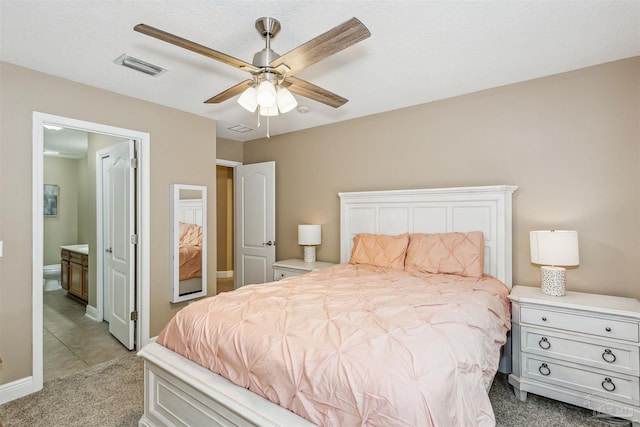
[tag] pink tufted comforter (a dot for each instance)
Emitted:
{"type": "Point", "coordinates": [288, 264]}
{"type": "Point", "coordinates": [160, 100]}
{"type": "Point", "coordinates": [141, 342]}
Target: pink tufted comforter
{"type": "Point", "coordinates": [356, 345]}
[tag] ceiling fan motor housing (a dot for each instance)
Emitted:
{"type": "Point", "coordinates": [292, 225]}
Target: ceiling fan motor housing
{"type": "Point", "coordinates": [268, 29]}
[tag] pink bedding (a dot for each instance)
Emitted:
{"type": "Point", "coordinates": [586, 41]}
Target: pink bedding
{"type": "Point", "coordinates": [356, 344]}
{"type": "Point", "coordinates": [190, 262]}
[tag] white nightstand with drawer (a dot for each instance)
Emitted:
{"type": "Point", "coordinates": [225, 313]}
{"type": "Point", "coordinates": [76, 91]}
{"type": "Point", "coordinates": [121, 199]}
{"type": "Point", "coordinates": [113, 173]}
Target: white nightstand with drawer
{"type": "Point", "coordinates": [296, 267]}
{"type": "Point", "coordinates": [580, 348]}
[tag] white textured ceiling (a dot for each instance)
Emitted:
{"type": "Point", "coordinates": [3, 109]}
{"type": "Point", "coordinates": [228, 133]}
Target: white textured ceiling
{"type": "Point", "coordinates": [419, 51]}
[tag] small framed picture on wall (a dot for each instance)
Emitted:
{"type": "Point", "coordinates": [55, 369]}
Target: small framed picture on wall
{"type": "Point", "coordinates": [51, 200]}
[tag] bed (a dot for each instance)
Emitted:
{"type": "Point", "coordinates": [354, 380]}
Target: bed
{"type": "Point", "coordinates": [179, 391]}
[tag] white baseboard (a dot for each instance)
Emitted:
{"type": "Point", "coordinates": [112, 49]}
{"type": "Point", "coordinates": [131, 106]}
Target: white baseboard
{"type": "Point", "coordinates": [224, 274]}
{"type": "Point", "coordinates": [17, 389]}
{"type": "Point", "coordinates": [92, 313]}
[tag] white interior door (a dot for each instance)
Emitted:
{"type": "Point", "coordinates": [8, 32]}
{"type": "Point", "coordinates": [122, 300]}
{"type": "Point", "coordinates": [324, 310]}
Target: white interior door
{"type": "Point", "coordinates": [105, 230]}
{"type": "Point", "coordinates": [255, 223]}
{"type": "Point", "coordinates": [121, 231]}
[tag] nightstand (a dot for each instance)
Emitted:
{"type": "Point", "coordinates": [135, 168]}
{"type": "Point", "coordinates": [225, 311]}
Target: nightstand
{"type": "Point", "coordinates": [296, 267]}
{"type": "Point", "coordinates": [580, 348]}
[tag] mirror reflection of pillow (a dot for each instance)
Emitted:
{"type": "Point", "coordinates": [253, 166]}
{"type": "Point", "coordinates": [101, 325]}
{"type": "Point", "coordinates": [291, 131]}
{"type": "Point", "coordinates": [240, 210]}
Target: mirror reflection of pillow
{"type": "Point", "coordinates": [190, 234]}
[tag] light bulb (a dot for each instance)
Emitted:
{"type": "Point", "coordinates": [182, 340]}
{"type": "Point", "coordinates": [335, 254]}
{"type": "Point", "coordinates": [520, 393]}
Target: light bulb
{"type": "Point", "coordinates": [266, 94]}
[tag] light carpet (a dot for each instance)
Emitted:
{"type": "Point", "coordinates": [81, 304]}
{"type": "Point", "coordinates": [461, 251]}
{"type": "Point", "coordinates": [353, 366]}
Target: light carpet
{"type": "Point", "coordinates": [111, 395]}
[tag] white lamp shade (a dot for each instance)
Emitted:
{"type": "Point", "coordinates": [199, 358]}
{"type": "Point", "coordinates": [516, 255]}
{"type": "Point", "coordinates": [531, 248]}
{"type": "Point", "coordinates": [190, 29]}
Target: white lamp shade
{"type": "Point", "coordinates": [269, 111]}
{"type": "Point", "coordinates": [554, 247]}
{"type": "Point", "coordinates": [309, 234]}
{"type": "Point", "coordinates": [286, 101]}
{"type": "Point", "coordinates": [248, 99]}
{"type": "Point", "coordinates": [266, 94]}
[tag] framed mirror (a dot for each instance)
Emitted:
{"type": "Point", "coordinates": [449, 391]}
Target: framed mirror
{"type": "Point", "coordinates": [188, 242]}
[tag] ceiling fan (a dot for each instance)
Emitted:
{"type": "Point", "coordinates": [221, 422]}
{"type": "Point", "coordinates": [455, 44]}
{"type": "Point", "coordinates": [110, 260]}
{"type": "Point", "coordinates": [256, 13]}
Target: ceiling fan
{"type": "Point", "coordinates": [272, 76]}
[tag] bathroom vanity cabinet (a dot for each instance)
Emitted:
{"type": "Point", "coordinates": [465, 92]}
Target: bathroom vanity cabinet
{"type": "Point", "coordinates": [75, 266]}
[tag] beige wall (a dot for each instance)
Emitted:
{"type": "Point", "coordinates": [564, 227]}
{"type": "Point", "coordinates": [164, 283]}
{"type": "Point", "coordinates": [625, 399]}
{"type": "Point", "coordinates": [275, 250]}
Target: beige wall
{"type": "Point", "coordinates": [227, 149]}
{"type": "Point", "coordinates": [61, 229]}
{"type": "Point", "coordinates": [571, 142]}
{"type": "Point", "coordinates": [25, 91]}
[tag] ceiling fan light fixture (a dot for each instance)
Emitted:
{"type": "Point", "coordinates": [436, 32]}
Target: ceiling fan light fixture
{"type": "Point", "coordinates": [286, 102]}
{"type": "Point", "coordinates": [269, 111]}
{"type": "Point", "coordinates": [248, 99]}
{"type": "Point", "coordinates": [266, 94]}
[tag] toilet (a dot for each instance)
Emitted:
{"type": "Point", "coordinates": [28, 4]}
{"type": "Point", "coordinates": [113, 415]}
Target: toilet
{"type": "Point", "coordinates": [51, 274]}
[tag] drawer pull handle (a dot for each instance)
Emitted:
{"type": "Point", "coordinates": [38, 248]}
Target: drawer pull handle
{"type": "Point", "coordinates": [608, 385]}
{"type": "Point", "coordinates": [544, 370]}
{"type": "Point", "coordinates": [608, 329]}
{"type": "Point", "coordinates": [545, 344]}
{"type": "Point", "coordinates": [544, 319]}
{"type": "Point", "coordinates": [608, 356]}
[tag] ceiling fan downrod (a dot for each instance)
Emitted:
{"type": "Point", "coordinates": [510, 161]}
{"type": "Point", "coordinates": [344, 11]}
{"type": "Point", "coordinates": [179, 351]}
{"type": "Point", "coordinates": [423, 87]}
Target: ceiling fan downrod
{"type": "Point", "coordinates": [268, 29]}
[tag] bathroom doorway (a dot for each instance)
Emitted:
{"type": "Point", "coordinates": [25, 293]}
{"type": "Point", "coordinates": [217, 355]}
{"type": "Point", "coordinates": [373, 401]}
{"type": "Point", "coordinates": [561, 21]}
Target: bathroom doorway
{"type": "Point", "coordinates": [92, 311]}
{"type": "Point", "coordinates": [74, 338]}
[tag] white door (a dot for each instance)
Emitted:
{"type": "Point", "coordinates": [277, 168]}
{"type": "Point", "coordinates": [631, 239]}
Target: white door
{"type": "Point", "coordinates": [121, 230]}
{"type": "Point", "coordinates": [106, 244]}
{"type": "Point", "coordinates": [255, 222]}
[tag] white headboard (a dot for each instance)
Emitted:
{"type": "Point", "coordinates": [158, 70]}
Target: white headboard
{"type": "Point", "coordinates": [190, 211]}
{"type": "Point", "coordinates": [435, 210]}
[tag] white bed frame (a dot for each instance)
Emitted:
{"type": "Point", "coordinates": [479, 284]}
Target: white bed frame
{"type": "Point", "coordinates": [180, 392]}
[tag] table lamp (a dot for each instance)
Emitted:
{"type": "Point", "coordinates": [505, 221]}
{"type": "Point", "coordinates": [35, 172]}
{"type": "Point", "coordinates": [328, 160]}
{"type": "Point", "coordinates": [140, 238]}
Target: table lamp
{"type": "Point", "coordinates": [308, 236]}
{"type": "Point", "coordinates": [553, 250]}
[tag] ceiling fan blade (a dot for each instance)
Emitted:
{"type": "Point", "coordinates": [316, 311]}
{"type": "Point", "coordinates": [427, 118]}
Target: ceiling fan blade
{"type": "Point", "coordinates": [194, 47]}
{"type": "Point", "coordinates": [229, 93]}
{"type": "Point", "coordinates": [311, 91]}
{"type": "Point", "coordinates": [323, 46]}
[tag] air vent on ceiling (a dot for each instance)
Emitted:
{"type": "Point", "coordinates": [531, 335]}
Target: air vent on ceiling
{"type": "Point", "coordinates": [139, 65]}
{"type": "Point", "coordinates": [240, 128]}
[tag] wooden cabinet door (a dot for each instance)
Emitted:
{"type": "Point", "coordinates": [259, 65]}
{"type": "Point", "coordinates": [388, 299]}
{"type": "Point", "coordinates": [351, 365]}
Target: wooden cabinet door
{"type": "Point", "coordinates": [85, 279]}
{"type": "Point", "coordinates": [64, 271]}
{"type": "Point", "coordinates": [75, 279]}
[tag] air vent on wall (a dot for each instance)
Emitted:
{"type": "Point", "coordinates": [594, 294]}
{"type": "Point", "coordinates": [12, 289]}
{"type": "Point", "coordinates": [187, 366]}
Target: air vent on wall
{"type": "Point", "coordinates": [139, 65]}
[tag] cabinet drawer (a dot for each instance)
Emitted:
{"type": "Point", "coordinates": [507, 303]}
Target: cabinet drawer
{"type": "Point", "coordinates": [76, 258]}
{"type": "Point", "coordinates": [608, 385]}
{"type": "Point", "coordinates": [595, 352]}
{"type": "Point", "coordinates": [609, 328]}
{"type": "Point", "coordinates": [280, 273]}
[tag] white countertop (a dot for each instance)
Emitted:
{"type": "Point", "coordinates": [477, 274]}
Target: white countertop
{"type": "Point", "coordinates": [83, 248]}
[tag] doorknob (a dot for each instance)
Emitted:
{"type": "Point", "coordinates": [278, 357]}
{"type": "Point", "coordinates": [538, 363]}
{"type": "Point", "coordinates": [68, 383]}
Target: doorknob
{"type": "Point", "coordinates": [108, 250]}
{"type": "Point", "coordinates": [269, 243]}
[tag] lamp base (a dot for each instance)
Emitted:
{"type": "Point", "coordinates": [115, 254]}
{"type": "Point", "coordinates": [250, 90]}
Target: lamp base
{"type": "Point", "coordinates": [309, 254]}
{"type": "Point", "coordinates": [553, 281]}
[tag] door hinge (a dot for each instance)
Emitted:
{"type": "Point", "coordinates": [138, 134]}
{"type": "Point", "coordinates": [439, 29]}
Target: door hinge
{"type": "Point", "coordinates": [134, 316]}
{"type": "Point", "coordinates": [134, 239]}
{"type": "Point", "coordinates": [134, 163]}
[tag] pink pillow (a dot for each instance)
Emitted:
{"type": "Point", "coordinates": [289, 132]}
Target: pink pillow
{"type": "Point", "coordinates": [447, 253]}
{"type": "Point", "coordinates": [380, 250]}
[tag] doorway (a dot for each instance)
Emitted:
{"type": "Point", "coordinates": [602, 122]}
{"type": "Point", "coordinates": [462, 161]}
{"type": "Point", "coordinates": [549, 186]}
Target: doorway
{"type": "Point", "coordinates": [141, 250]}
{"type": "Point", "coordinates": [224, 228]}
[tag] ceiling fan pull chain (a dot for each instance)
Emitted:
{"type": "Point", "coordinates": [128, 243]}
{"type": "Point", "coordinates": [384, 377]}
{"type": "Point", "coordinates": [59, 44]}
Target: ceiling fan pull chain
{"type": "Point", "coordinates": [268, 136]}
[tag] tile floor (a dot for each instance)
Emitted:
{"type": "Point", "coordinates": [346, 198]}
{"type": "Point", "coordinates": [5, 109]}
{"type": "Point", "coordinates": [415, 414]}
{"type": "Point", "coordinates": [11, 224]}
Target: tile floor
{"type": "Point", "coordinates": [72, 341]}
